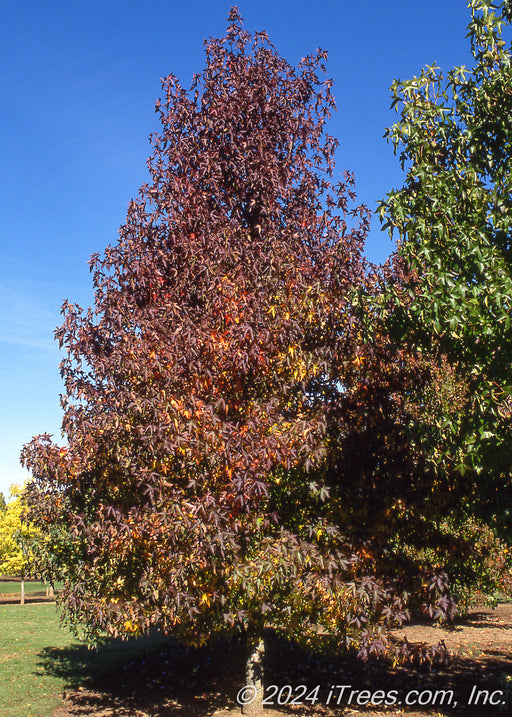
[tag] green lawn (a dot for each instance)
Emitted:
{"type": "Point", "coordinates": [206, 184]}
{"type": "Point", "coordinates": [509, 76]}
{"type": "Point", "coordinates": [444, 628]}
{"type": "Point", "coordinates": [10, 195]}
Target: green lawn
{"type": "Point", "coordinates": [10, 586]}
{"type": "Point", "coordinates": [26, 631]}
{"type": "Point", "coordinates": [39, 659]}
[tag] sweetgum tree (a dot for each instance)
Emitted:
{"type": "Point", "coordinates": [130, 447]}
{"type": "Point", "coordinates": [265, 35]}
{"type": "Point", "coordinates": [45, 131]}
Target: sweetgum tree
{"type": "Point", "coordinates": [453, 216]}
{"type": "Point", "coordinates": [237, 450]}
{"type": "Point", "coordinates": [188, 495]}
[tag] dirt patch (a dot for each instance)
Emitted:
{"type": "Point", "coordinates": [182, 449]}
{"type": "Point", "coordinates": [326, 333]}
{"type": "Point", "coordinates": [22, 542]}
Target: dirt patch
{"type": "Point", "coordinates": [484, 634]}
{"type": "Point", "coordinates": [174, 681]}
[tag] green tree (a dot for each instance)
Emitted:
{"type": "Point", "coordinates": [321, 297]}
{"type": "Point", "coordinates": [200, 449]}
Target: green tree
{"type": "Point", "coordinates": [454, 220]}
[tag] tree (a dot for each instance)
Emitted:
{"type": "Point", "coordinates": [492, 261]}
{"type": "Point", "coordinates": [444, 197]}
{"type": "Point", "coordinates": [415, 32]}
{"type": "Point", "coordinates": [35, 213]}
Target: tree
{"type": "Point", "coordinates": [453, 216]}
{"type": "Point", "coordinates": [12, 561]}
{"type": "Point", "coordinates": [15, 537]}
{"type": "Point", "coordinates": [237, 445]}
{"type": "Point", "coordinates": [189, 493]}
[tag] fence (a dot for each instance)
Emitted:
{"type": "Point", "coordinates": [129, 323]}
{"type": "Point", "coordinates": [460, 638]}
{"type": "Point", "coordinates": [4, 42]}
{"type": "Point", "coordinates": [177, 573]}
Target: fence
{"type": "Point", "coordinates": [28, 587]}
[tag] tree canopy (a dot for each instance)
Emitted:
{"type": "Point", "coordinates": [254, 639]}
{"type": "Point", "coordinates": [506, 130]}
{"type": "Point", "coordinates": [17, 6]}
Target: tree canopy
{"type": "Point", "coordinates": [453, 217]}
{"type": "Point", "coordinates": [198, 385]}
{"type": "Point", "coordinates": [242, 443]}
{"type": "Point", "coordinates": [14, 532]}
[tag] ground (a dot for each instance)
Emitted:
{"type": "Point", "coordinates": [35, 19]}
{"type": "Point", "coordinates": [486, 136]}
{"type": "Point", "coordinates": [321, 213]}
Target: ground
{"type": "Point", "coordinates": [174, 681]}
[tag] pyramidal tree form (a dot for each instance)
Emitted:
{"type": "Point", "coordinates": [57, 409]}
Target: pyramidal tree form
{"type": "Point", "coordinates": [237, 451]}
{"type": "Point", "coordinates": [188, 494]}
{"type": "Point", "coordinates": [453, 216]}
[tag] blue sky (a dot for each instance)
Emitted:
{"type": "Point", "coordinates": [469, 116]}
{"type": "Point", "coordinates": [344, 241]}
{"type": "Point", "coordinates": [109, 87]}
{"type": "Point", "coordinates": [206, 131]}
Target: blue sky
{"type": "Point", "coordinates": [77, 96]}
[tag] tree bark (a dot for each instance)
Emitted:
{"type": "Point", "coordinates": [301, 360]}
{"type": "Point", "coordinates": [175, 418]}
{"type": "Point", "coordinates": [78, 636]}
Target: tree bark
{"type": "Point", "coordinates": [254, 673]}
{"type": "Point", "coordinates": [22, 593]}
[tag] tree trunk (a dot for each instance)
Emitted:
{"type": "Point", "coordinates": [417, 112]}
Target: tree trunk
{"type": "Point", "coordinates": [22, 594]}
{"type": "Point", "coordinates": [252, 704]}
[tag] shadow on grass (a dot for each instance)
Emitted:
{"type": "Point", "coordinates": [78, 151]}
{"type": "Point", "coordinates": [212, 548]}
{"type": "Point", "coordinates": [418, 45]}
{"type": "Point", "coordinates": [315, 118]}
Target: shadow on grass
{"type": "Point", "coordinates": [158, 677]}
{"type": "Point", "coordinates": [154, 675]}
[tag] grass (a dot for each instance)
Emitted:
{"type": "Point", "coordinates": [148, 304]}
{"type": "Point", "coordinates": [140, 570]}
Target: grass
{"type": "Point", "coordinates": [25, 631]}
{"type": "Point", "coordinates": [10, 586]}
{"type": "Point", "coordinates": [40, 659]}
